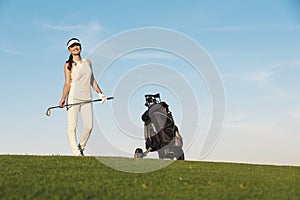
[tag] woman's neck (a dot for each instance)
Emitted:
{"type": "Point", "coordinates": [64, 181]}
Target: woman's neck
{"type": "Point", "coordinates": [77, 58]}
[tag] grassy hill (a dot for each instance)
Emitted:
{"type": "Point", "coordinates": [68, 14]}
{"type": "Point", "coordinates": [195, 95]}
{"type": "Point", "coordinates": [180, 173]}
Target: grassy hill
{"type": "Point", "coordinates": [67, 177]}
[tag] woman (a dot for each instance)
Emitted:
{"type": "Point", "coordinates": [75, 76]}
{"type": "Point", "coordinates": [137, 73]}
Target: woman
{"type": "Point", "coordinates": [79, 79]}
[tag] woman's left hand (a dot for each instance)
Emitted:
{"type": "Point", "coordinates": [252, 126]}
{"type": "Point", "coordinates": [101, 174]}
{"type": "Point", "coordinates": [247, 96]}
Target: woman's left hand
{"type": "Point", "coordinates": [102, 97]}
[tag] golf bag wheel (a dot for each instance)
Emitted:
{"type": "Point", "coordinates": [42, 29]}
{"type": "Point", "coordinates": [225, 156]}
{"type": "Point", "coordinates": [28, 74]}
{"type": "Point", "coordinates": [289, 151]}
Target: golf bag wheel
{"type": "Point", "coordinates": [181, 157]}
{"type": "Point", "coordinates": [179, 154]}
{"type": "Point", "coordinates": [138, 153]}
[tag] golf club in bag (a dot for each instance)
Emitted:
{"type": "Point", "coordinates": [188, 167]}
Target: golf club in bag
{"type": "Point", "coordinates": [48, 113]}
{"type": "Point", "coordinates": [160, 132]}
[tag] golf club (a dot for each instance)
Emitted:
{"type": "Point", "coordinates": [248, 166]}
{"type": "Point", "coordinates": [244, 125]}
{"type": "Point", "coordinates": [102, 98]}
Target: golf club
{"type": "Point", "coordinates": [48, 113]}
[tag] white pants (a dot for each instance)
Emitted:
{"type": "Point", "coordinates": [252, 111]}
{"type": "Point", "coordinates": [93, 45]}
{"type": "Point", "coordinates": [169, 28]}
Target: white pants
{"type": "Point", "coordinates": [87, 119]}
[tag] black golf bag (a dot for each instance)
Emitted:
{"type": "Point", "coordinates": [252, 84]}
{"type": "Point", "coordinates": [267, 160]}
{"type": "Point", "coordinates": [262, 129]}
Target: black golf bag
{"type": "Point", "coordinates": [160, 132]}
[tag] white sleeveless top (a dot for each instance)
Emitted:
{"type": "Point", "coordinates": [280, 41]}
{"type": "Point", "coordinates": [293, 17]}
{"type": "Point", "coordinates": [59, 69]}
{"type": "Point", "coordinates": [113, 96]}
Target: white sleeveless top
{"type": "Point", "coordinates": [81, 81]}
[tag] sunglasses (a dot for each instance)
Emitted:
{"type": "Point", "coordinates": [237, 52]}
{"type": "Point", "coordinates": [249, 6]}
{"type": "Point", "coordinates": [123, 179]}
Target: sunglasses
{"type": "Point", "coordinates": [75, 44]}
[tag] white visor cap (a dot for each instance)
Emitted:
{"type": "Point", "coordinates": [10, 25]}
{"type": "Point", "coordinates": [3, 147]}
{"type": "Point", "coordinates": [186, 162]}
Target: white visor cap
{"type": "Point", "coordinates": [74, 41]}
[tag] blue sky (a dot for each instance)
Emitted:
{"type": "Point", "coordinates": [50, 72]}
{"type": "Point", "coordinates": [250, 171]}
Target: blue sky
{"type": "Point", "coordinates": [254, 45]}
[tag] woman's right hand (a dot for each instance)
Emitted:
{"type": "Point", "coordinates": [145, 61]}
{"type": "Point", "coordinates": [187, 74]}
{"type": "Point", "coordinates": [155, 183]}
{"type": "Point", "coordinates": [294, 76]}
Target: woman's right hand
{"type": "Point", "coordinates": [62, 103]}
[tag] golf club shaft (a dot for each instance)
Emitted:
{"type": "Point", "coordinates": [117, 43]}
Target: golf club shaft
{"type": "Point", "coordinates": [84, 102]}
{"type": "Point", "coordinates": [79, 103]}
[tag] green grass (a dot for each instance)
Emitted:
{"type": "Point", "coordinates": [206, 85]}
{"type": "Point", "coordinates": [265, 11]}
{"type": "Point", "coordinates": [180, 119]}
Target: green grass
{"type": "Point", "coordinates": [64, 177]}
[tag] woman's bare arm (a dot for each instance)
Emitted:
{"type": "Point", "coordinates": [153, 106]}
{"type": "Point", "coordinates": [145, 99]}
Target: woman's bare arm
{"type": "Point", "coordinates": [67, 86]}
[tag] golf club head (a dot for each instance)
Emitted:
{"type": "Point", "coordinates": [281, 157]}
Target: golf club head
{"type": "Point", "coordinates": [48, 112]}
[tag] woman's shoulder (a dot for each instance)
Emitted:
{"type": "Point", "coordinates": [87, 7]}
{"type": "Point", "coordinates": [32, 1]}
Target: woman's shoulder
{"type": "Point", "coordinates": [88, 61]}
{"type": "Point", "coordinates": [66, 65]}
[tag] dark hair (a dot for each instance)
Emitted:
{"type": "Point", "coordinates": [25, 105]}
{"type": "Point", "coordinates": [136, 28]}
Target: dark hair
{"type": "Point", "coordinates": [70, 60]}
